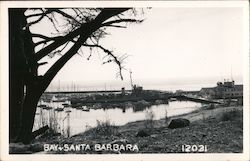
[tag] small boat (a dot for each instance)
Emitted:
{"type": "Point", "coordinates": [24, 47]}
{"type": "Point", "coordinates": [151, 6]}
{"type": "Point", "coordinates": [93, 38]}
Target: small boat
{"type": "Point", "coordinates": [173, 99]}
{"type": "Point", "coordinates": [85, 108]}
{"type": "Point", "coordinates": [59, 109]}
{"type": "Point", "coordinates": [97, 106]}
{"type": "Point", "coordinates": [54, 99]}
{"type": "Point", "coordinates": [65, 104]}
{"type": "Point", "coordinates": [68, 111]}
{"type": "Point", "coordinates": [79, 107]}
{"type": "Point", "coordinates": [42, 105]}
{"type": "Point", "coordinates": [47, 108]}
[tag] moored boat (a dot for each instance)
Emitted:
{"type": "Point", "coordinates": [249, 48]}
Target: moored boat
{"type": "Point", "coordinates": [59, 109]}
{"type": "Point", "coordinates": [85, 108]}
{"type": "Point", "coordinates": [47, 108]}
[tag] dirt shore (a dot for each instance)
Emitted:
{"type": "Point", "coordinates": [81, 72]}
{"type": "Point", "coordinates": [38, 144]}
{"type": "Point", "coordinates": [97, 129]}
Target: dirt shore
{"type": "Point", "coordinates": [220, 129]}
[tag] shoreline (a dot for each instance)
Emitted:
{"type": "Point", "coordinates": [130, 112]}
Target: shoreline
{"type": "Point", "coordinates": [206, 128]}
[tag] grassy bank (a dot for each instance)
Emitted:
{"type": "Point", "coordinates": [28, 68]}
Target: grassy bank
{"type": "Point", "coordinates": [220, 129]}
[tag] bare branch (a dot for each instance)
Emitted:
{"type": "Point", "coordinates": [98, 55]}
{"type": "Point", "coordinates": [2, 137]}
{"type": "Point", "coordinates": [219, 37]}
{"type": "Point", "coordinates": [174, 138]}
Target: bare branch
{"type": "Point", "coordinates": [54, 69]}
{"type": "Point", "coordinates": [59, 51]}
{"type": "Point", "coordinates": [42, 36]}
{"type": "Point", "coordinates": [52, 20]}
{"type": "Point", "coordinates": [67, 16]}
{"type": "Point", "coordinates": [34, 15]}
{"type": "Point", "coordinates": [34, 22]}
{"type": "Point", "coordinates": [121, 20]}
{"type": "Point", "coordinates": [45, 40]}
{"type": "Point", "coordinates": [117, 26]}
{"type": "Point", "coordinates": [104, 15]}
{"type": "Point", "coordinates": [42, 63]}
{"type": "Point", "coordinates": [42, 15]}
{"type": "Point", "coordinates": [109, 53]}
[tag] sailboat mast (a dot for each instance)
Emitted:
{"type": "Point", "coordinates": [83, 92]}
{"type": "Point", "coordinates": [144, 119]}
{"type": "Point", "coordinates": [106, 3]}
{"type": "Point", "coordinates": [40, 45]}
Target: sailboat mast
{"type": "Point", "coordinates": [131, 82]}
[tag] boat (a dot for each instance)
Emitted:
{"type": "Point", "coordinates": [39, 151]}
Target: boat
{"type": "Point", "coordinates": [55, 99]}
{"type": "Point", "coordinates": [173, 99]}
{"type": "Point", "coordinates": [78, 107]}
{"type": "Point", "coordinates": [59, 109]}
{"type": "Point", "coordinates": [47, 108]}
{"type": "Point", "coordinates": [68, 111]}
{"type": "Point", "coordinates": [65, 104]}
{"type": "Point", "coordinates": [85, 108]}
{"type": "Point", "coordinates": [42, 105]}
{"type": "Point", "coordinates": [97, 106]}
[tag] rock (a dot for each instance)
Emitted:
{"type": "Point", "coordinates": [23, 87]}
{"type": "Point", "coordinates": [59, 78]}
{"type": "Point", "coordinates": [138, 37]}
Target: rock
{"type": "Point", "coordinates": [120, 141]}
{"type": "Point", "coordinates": [142, 133]}
{"type": "Point", "coordinates": [155, 135]}
{"type": "Point", "coordinates": [178, 123]}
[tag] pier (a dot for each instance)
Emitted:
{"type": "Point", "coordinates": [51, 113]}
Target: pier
{"type": "Point", "coordinates": [199, 100]}
{"type": "Point", "coordinates": [142, 96]}
{"type": "Point", "coordinates": [71, 92]}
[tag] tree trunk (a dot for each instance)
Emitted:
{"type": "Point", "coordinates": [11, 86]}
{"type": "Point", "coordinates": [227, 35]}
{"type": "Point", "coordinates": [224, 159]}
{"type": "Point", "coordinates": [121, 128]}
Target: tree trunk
{"type": "Point", "coordinates": [28, 113]}
{"type": "Point", "coordinates": [24, 83]}
{"type": "Point", "coordinates": [17, 69]}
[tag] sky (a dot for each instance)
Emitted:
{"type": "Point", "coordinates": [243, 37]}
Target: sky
{"type": "Point", "coordinates": [173, 48]}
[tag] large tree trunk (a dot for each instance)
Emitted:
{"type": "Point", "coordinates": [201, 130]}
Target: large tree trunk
{"type": "Point", "coordinates": [24, 83]}
{"type": "Point", "coordinates": [28, 113]}
{"type": "Point", "coordinates": [16, 68]}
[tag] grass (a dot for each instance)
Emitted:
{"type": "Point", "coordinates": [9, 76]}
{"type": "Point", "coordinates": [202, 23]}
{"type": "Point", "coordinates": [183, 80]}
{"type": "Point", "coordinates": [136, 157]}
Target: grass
{"type": "Point", "coordinates": [103, 128]}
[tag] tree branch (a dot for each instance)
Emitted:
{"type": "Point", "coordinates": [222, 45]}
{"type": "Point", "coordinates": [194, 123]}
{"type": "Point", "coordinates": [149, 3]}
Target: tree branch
{"type": "Point", "coordinates": [45, 39]}
{"type": "Point", "coordinates": [67, 16]}
{"type": "Point", "coordinates": [109, 53]}
{"type": "Point", "coordinates": [86, 30]}
{"type": "Point", "coordinates": [54, 69]}
{"type": "Point", "coordinates": [42, 15]}
{"type": "Point", "coordinates": [101, 17]}
{"type": "Point", "coordinates": [121, 20]}
{"type": "Point", "coordinates": [117, 26]}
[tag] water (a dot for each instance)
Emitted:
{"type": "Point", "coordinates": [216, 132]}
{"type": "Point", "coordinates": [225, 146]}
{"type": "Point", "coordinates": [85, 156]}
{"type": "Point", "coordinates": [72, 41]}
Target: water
{"type": "Point", "coordinates": [77, 121]}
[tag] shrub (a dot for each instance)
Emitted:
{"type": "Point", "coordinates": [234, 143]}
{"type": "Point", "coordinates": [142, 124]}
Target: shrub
{"type": "Point", "coordinates": [105, 128]}
{"type": "Point", "coordinates": [231, 115]}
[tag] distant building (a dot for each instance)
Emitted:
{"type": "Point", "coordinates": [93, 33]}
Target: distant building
{"type": "Point", "coordinates": [207, 92]}
{"type": "Point", "coordinates": [227, 89]}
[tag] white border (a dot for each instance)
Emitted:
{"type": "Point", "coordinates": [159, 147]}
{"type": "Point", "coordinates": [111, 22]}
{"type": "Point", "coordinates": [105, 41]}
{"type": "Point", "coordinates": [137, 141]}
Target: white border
{"type": "Point", "coordinates": [4, 5]}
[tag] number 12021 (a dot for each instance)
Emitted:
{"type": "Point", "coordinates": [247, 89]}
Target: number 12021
{"type": "Point", "coordinates": [194, 148]}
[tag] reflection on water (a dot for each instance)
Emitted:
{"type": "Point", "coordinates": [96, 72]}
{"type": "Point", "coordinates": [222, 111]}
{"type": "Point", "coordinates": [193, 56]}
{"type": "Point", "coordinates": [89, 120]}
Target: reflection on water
{"type": "Point", "coordinates": [72, 121]}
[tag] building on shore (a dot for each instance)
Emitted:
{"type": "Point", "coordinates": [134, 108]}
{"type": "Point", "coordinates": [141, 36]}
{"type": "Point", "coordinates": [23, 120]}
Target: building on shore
{"type": "Point", "coordinates": [223, 90]}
